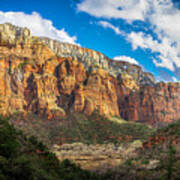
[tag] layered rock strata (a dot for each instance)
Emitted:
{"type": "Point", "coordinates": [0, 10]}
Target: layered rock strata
{"type": "Point", "coordinates": [94, 59]}
{"type": "Point", "coordinates": [50, 78]}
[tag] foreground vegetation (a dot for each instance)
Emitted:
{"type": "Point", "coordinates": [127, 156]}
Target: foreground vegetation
{"type": "Point", "coordinates": [23, 158]}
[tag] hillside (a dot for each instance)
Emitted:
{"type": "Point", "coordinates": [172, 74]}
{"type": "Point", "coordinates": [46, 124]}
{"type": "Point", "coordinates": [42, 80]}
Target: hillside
{"type": "Point", "coordinates": [157, 158]}
{"type": "Point", "coordinates": [77, 127]}
{"type": "Point", "coordinates": [23, 157]}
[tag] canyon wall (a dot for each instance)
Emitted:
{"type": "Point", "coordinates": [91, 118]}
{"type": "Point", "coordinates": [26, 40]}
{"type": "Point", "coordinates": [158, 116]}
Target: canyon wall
{"type": "Point", "coordinates": [49, 78]}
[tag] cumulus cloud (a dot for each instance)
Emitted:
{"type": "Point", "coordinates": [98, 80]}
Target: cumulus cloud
{"type": "Point", "coordinates": [165, 19]}
{"type": "Point", "coordinates": [126, 59]}
{"type": "Point", "coordinates": [161, 15]}
{"type": "Point", "coordinates": [38, 25]}
{"type": "Point", "coordinates": [106, 24]}
{"type": "Point", "coordinates": [125, 9]}
{"type": "Point", "coordinates": [167, 55]}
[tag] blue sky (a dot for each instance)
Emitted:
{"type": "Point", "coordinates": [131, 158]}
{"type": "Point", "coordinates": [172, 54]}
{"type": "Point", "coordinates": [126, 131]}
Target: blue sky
{"type": "Point", "coordinates": [145, 32]}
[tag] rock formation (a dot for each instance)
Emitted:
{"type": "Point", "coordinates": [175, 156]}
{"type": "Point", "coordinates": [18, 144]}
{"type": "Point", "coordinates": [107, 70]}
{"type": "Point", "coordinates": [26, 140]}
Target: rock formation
{"type": "Point", "coordinates": [94, 59]}
{"type": "Point", "coordinates": [49, 78]}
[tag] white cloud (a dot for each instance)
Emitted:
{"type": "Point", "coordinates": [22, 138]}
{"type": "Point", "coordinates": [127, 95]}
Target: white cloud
{"type": "Point", "coordinates": [167, 54]}
{"type": "Point", "coordinates": [125, 9]}
{"type": "Point", "coordinates": [161, 15]}
{"type": "Point", "coordinates": [37, 25]}
{"type": "Point", "coordinates": [126, 59]}
{"type": "Point", "coordinates": [165, 18]}
{"type": "Point", "coordinates": [106, 24]}
{"type": "Point", "coordinates": [174, 79]}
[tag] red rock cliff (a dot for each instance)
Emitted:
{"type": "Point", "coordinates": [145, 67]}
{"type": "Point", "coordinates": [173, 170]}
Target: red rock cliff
{"type": "Point", "coordinates": [35, 78]}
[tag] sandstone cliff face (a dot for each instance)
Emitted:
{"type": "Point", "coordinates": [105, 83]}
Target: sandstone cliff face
{"type": "Point", "coordinates": [34, 79]}
{"type": "Point", "coordinates": [99, 92]}
{"type": "Point", "coordinates": [53, 79]}
{"type": "Point", "coordinates": [160, 103]}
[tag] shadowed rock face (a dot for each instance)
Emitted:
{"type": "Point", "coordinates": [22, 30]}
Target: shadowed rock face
{"type": "Point", "coordinates": [160, 103]}
{"type": "Point", "coordinates": [50, 78]}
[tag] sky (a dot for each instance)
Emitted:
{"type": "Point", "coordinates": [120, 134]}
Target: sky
{"type": "Point", "coordinates": [143, 32]}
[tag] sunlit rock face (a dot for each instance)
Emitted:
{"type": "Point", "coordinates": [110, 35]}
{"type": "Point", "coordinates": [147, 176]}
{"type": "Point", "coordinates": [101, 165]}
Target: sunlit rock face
{"type": "Point", "coordinates": [49, 78]}
{"type": "Point", "coordinates": [34, 79]}
{"type": "Point", "coordinates": [91, 58]}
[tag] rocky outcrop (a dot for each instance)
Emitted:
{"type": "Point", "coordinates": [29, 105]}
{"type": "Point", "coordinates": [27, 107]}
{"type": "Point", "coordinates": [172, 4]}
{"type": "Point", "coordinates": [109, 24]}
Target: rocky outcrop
{"type": "Point", "coordinates": [12, 34]}
{"type": "Point", "coordinates": [50, 78]}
